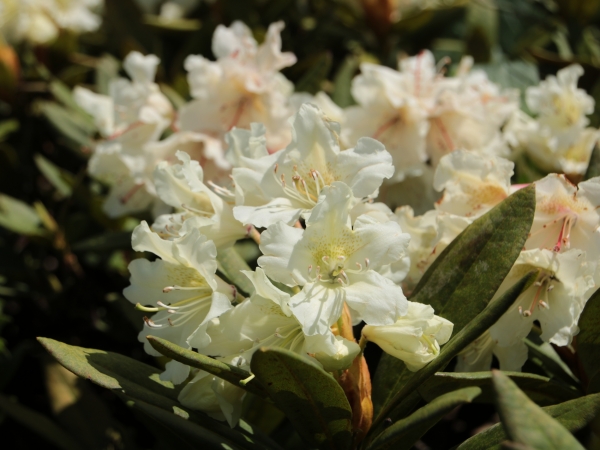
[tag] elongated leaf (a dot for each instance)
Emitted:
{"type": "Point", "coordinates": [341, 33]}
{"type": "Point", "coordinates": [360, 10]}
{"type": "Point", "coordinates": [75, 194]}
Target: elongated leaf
{"type": "Point", "coordinates": [588, 339]}
{"type": "Point", "coordinates": [465, 277]}
{"type": "Point", "coordinates": [120, 240]}
{"type": "Point", "coordinates": [231, 264]}
{"type": "Point", "coordinates": [310, 397]}
{"type": "Point", "coordinates": [59, 178]}
{"type": "Point", "coordinates": [19, 217]}
{"type": "Point", "coordinates": [67, 123]}
{"type": "Point", "coordinates": [62, 93]}
{"type": "Point", "coordinates": [39, 424]}
{"type": "Point", "coordinates": [544, 356]}
{"type": "Point", "coordinates": [468, 334]}
{"type": "Point", "coordinates": [222, 370]}
{"type": "Point", "coordinates": [185, 430]}
{"type": "Point", "coordinates": [137, 381]}
{"type": "Point", "coordinates": [593, 169]}
{"type": "Point", "coordinates": [404, 433]}
{"type": "Point", "coordinates": [7, 127]}
{"type": "Point", "coordinates": [342, 83]}
{"type": "Point", "coordinates": [525, 422]}
{"type": "Point", "coordinates": [541, 390]}
{"type": "Point", "coordinates": [573, 415]}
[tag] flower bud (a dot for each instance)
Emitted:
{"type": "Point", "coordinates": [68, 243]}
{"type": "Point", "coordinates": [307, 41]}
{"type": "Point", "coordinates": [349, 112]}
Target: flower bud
{"type": "Point", "coordinates": [415, 338]}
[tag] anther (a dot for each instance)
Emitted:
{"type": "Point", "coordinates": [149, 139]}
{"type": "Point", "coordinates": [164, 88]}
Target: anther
{"type": "Point", "coordinates": [309, 268]}
{"type": "Point", "coordinates": [168, 289]}
{"type": "Point", "coordinates": [367, 262]}
{"type": "Point", "coordinates": [276, 167]}
{"type": "Point", "coordinates": [170, 323]}
{"type": "Point", "coordinates": [150, 323]}
{"type": "Point", "coordinates": [325, 259]}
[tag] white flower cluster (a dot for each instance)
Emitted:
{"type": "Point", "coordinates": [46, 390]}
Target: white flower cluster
{"type": "Point", "coordinates": [564, 245]}
{"type": "Point", "coordinates": [245, 154]}
{"type": "Point", "coordinates": [40, 21]}
{"type": "Point", "coordinates": [417, 113]}
{"type": "Point", "coordinates": [558, 140]}
{"type": "Point", "coordinates": [325, 251]}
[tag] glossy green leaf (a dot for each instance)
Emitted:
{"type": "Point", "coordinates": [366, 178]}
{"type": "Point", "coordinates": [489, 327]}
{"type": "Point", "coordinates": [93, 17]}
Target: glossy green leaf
{"type": "Point", "coordinates": [525, 422]}
{"type": "Point", "coordinates": [231, 264]}
{"type": "Point", "coordinates": [39, 424]}
{"type": "Point", "coordinates": [59, 178]}
{"type": "Point", "coordinates": [573, 415]}
{"type": "Point", "coordinates": [19, 217]}
{"type": "Point", "coordinates": [464, 278]}
{"type": "Point", "coordinates": [172, 25]}
{"type": "Point", "coordinates": [468, 334]}
{"type": "Point", "coordinates": [593, 169]}
{"type": "Point", "coordinates": [588, 339]}
{"type": "Point", "coordinates": [137, 381]}
{"type": "Point", "coordinates": [404, 433]}
{"type": "Point", "coordinates": [312, 400]}
{"type": "Point", "coordinates": [541, 390]}
{"type": "Point", "coordinates": [222, 370]}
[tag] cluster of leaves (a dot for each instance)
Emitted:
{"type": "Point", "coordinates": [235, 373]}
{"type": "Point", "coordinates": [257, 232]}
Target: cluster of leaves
{"type": "Point", "coordinates": [63, 263]}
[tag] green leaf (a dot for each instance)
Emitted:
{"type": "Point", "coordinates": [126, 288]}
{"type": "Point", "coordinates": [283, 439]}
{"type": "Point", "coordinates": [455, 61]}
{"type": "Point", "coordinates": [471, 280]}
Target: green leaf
{"type": "Point", "coordinates": [177, 100]}
{"type": "Point", "coordinates": [573, 415]}
{"type": "Point", "coordinates": [541, 390]}
{"type": "Point", "coordinates": [588, 339]}
{"type": "Point", "coordinates": [137, 381]}
{"type": "Point", "coordinates": [544, 356]}
{"type": "Point", "coordinates": [120, 240]}
{"type": "Point", "coordinates": [220, 369]}
{"type": "Point", "coordinates": [172, 25]}
{"type": "Point", "coordinates": [38, 423]}
{"type": "Point", "coordinates": [63, 94]}
{"type": "Point", "coordinates": [61, 180]}
{"type": "Point", "coordinates": [525, 422]}
{"type": "Point", "coordinates": [231, 264]}
{"type": "Point", "coordinates": [342, 83]}
{"type": "Point", "coordinates": [312, 400]}
{"type": "Point", "coordinates": [593, 169]}
{"type": "Point", "coordinates": [404, 433]}
{"type": "Point", "coordinates": [7, 127]}
{"type": "Point", "coordinates": [317, 68]}
{"type": "Point", "coordinates": [19, 217]}
{"type": "Point", "coordinates": [464, 278]}
{"type": "Point", "coordinates": [185, 430]}
{"type": "Point", "coordinates": [67, 123]}
{"type": "Point", "coordinates": [468, 334]}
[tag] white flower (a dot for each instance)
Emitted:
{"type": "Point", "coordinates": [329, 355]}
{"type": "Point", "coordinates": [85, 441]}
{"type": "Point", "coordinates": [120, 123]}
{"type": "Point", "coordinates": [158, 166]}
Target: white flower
{"type": "Point", "coordinates": [130, 102]}
{"type": "Point", "coordinates": [418, 114]}
{"type": "Point", "coordinates": [477, 357]}
{"type": "Point", "coordinates": [472, 183]}
{"type": "Point", "coordinates": [323, 101]}
{"type": "Point", "coordinates": [414, 338]}
{"type": "Point", "coordinates": [181, 186]}
{"type": "Point", "coordinates": [566, 216]}
{"type": "Point", "coordinates": [336, 264]}
{"type": "Point", "coordinates": [181, 288]}
{"type": "Point", "coordinates": [214, 396]}
{"type": "Point", "coordinates": [561, 106]}
{"type": "Point", "coordinates": [556, 299]}
{"type": "Point", "coordinates": [291, 182]}
{"type": "Point", "coordinates": [265, 320]}
{"type": "Point", "coordinates": [39, 21]}
{"type": "Point", "coordinates": [243, 86]}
